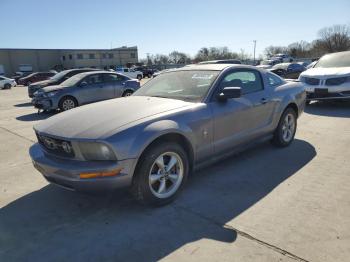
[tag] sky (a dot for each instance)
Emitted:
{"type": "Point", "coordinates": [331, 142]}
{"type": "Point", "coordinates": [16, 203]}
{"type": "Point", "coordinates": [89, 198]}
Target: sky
{"type": "Point", "coordinates": [157, 26]}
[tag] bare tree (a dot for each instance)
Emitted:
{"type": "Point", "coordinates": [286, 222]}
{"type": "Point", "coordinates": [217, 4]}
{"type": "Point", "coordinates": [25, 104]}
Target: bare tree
{"type": "Point", "coordinates": [177, 57]}
{"type": "Point", "coordinates": [299, 49]}
{"type": "Point", "coordinates": [335, 38]}
{"type": "Point", "coordinates": [214, 53]}
{"type": "Point", "coordinates": [273, 50]}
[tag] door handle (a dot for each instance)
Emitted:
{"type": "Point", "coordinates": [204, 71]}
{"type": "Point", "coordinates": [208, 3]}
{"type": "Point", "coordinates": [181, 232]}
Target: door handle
{"type": "Point", "coordinates": [263, 100]}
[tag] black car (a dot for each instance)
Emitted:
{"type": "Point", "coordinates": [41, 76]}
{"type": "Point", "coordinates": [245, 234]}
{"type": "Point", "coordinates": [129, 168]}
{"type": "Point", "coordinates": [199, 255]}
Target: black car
{"type": "Point", "coordinates": [146, 71]}
{"type": "Point", "coordinates": [288, 70]}
{"type": "Point", "coordinates": [56, 79]}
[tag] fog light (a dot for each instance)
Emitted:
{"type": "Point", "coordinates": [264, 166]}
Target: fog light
{"type": "Point", "coordinates": [101, 174]}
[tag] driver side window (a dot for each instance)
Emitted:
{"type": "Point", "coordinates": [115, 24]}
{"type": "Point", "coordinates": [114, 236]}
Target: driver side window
{"type": "Point", "coordinates": [249, 80]}
{"type": "Point", "coordinates": [93, 79]}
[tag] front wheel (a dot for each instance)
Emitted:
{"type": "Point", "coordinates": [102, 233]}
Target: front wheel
{"type": "Point", "coordinates": [7, 86]}
{"type": "Point", "coordinates": [285, 131]}
{"type": "Point", "coordinates": [139, 77]}
{"type": "Point", "coordinates": [67, 103]}
{"type": "Point", "coordinates": [161, 174]}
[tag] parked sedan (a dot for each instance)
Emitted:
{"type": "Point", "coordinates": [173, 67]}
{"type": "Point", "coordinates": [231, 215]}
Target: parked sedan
{"type": "Point", "coordinates": [7, 83]}
{"type": "Point", "coordinates": [177, 122]}
{"type": "Point", "coordinates": [288, 70]}
{"type": "Point", "coordinates": [329, 78]}
{"type": "Point", "coordinates": [267, 64]}
{"type": "Point", "coordinates": [84, 88]}
{"type": "Point", "coordinates": [57, 79]}
{"type": "Point", "coordinates": [35, 77]}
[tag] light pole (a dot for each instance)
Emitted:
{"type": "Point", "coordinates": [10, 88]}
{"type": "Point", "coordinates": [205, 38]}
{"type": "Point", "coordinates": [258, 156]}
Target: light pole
{"type": "Point", "coordinates": [254, 50]}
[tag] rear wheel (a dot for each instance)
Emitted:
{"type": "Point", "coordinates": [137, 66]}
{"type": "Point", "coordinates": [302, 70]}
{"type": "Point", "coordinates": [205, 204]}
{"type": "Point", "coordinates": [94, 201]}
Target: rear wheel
{"type": "Point", "coordinates": [67, 103]}
{"type": "Point", "coordinates": [149, 75]}
{"type": "Point", "coordinates": [161, 174]}
{"type": "Point", "coordinates": [285, 131]}
{"type": "Point", "coordinates": [127, 93]}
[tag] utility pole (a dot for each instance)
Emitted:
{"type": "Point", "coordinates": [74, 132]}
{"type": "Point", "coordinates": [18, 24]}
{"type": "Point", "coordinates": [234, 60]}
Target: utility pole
{"type": "Point", "coordinates": [254, 49]}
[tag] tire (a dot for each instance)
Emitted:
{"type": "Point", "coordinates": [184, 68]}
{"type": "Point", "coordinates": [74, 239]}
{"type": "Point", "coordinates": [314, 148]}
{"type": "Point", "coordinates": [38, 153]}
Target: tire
{"type": "Point", "coordinates": [67, 103]}
{"type": "Point", "coordinates": [149, 75]}
{"type": "Point", "coordinates": [7, 86]}
{"type": "Point", "coordinates": [285, 131]}
{"type": "Point", "coordinates": [139, 77]}
{"type": "Point", "coordinates": [127, 93]}
{"type": "Point", "coordinates": [161, 187]}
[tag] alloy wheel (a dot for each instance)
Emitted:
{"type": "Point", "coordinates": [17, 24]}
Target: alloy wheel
{"type": "Point", "coordinates": [68, 104]}
{"type": "Point", "coordinates": [288, 127]}
{"type": "Point", "coordinates": [166, 175]}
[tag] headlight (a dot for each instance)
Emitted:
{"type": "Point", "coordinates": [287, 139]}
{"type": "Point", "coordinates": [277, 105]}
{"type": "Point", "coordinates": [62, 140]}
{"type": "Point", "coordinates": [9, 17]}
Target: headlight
{"type": "Point", "coordinates": [96, 151]}
{"type": "Point", "coordinates": [51, 94]}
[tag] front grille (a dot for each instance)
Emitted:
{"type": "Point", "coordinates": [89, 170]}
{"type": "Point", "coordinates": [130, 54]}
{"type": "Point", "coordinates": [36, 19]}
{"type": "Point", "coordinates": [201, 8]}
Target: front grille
{"type": "Point", "coordinates": [55, 146]}
{"type": "Point", "coordinates": [312, 81]}
{"type": "Point", "coordinates": [336, 81]}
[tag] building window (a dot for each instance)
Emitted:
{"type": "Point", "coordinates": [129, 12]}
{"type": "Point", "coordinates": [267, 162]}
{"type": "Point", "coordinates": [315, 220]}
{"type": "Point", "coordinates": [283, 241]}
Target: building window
{"type": "Point", "coordinates": [91, 56]}
{"type": "Point", "coordinates": [80, 56]}
{"type": "Point", "coordinates": [132, 55]}
{"type": "Point", "coordinates": [70, 57]}
{"type": "Point", "coordinates": [110, 56]}
{"type": "Point", "coordinates": [104, 56]}
{"type": "Point", "coordinates": [63, 58]}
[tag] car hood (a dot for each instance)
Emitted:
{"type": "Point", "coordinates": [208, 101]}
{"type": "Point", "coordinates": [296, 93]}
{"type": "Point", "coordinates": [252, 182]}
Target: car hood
{"type": "Point", "coordinates": [98, 120]}
{"type": "Point", "coordinates": [323, 73]}
{"type": "Point", "coordinates": [48, 89]}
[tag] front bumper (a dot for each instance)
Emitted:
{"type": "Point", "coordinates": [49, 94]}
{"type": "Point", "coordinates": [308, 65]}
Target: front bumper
{"type": "Point", "coordinates": [42, 103]}
{"type": "Point", "coordinates": [65, 172]}
{"type": "Point", "coordinates": [324, 94]}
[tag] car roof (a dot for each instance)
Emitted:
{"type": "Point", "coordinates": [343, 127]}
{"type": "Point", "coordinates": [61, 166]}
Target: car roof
{"type": "Point", "coordinates": [98, 72]}
{"type": "Point", "coordinates": [87, 68]}
{"type": "Point", "coordinates": [216, 67]}
{"type": "Point", "coordinates": [223, 61]}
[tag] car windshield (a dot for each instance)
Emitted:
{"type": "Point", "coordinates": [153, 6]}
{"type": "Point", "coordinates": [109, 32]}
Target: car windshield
{"type": "Point", "coordinates": [73, 80]}
{"type": "Point", "coordinates": [184, 85]}
{"type": "Point", "coordinates": [59, 75]}
{"type": "Point", "coordinates": [341, 59]}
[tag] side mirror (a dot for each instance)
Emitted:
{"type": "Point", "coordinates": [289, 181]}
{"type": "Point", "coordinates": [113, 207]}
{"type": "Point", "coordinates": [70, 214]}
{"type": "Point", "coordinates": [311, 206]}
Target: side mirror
{"type": "Point", "coordinates": [83, 83]}
{"type": "Point", "coordinates": [228, 93]}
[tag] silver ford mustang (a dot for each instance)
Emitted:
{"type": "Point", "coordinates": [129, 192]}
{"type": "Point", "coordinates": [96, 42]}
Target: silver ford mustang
{"type": "Point", "coordinates": [177, 122]}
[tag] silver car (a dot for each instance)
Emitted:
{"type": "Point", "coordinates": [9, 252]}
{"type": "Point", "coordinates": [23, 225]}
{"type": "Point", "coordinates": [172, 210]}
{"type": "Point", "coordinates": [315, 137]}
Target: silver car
{"type": "Point", "coordinates": [329, 78]}
{"type": "Point", "coordinates": [84, 88]}
{"type": "Point", "coordinates": [177, 122]}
